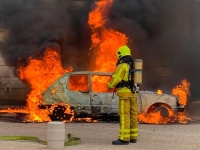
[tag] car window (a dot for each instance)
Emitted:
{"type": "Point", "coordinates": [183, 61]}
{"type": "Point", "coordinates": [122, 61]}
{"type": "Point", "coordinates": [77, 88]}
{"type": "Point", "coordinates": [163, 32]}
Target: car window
{"type": "Point", "coordinates": [79, 83]}
{"type": "Point", "coordinates": [99, 83]}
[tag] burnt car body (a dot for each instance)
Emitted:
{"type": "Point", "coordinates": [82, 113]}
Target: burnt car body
{"type": "Point", "coordinates": [86, 93]}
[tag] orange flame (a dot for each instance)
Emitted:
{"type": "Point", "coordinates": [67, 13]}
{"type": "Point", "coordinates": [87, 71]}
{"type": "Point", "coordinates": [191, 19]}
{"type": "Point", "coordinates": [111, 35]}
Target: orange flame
{"type": "Point", "coordinates": [79, 83]}
{"type": "Point", "coordinates": [105, 42]}
{"type": "Point", "coordinates": [155, 117]}
{"type": "Point", "coordinates": [182, 118]}
{"type": "Point", "coordinates": [100, 83]}
{"type": "Point", "coordinates": [39, 74]}
{"type": "Point", "coordinates": [159, 91]}
{"type": "Point", "coordinates": [85, 119]}
{"type": "Point", "coordinates": [181, 91]}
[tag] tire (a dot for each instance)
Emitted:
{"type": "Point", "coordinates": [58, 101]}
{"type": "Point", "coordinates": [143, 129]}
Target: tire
{"type": "Point", "coordinates": [163, 111]}
{"type": "Point", "coordinates": [58, 114]}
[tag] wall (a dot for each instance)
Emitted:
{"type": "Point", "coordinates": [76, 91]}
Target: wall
{"type": "Point", "coordinates": [13, 92]}
{"type": "Point", "coordinates": [162, 60]}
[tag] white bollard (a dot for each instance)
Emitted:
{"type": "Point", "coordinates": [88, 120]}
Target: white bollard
{"type": "Point", "coordinates": [55, 135]}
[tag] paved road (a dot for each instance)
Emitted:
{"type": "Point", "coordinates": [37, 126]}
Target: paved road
{"type": "Point", "coordinates": [98, 136]}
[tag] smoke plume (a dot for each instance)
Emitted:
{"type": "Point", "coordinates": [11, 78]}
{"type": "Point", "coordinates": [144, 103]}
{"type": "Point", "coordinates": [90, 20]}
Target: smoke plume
{"type": "Point", "coordinates": [34, 24]}
{"type": "Point", "coordinates": [165, 40]}
{"type": "Point", "coordinates": [138, 20]}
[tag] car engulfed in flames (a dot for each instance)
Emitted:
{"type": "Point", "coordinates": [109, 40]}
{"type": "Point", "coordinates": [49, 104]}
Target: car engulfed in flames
{"type": "Point", "coordinates": [85, 94]}
{"type": "Point", "coordinates": [68, 95]}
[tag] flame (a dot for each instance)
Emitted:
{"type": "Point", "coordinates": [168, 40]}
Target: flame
{"type": "Point", "coordinates": [53, 91]}
{"type": "Point", "coordinates": [182, 92]}
{"type": "Point", "coordinates": [157, 118]}
{"type": "Point", "coordinates": [85, 120]}
{"type": "Point", "coordinates": [79, 83]}
{"type": "Point", "coordinates": [154, 118]}
{"type": "Point", "coordinates": [62, 106]}
{"type": "Point", "coordinates": [39, 74]}
{"type": "Point", "coordinates": [105, 42]}
{"type": "Point", "coordinates": [159, 92]}
{"type": "Point", "coordinates": [100, 83]}
{"type": "Point", "coordinates": [182, 118]}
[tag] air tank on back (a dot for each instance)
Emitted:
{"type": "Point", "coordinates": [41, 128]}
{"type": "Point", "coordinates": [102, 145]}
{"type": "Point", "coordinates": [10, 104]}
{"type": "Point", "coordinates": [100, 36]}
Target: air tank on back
{"type": "Point", "coordinates": [138, 68]}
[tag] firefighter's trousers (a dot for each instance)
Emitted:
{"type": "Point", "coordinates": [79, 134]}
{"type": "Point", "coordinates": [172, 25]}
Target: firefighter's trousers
{"type": "Point", "coordinates": [128, 118]}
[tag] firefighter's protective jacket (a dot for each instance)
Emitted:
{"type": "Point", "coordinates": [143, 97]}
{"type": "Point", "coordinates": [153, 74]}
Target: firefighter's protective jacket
{"type": "Point", "coordinates": [120, 73]}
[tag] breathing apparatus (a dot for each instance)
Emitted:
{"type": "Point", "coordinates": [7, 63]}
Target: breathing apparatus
{"type": "Point", "coordinates": [135, 71]}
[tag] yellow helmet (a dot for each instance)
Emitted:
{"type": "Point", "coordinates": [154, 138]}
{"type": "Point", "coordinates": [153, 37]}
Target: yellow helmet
{"type": "Point", "coordinates": [123, 51]}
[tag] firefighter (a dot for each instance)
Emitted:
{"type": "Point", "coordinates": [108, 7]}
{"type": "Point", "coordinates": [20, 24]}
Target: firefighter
{"type": "Point", "coordinates": [127, 93]}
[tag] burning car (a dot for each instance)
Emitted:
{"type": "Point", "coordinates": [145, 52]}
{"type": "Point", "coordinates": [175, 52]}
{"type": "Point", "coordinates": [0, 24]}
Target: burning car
{"type": "Point", "coordinates": [86, 95]}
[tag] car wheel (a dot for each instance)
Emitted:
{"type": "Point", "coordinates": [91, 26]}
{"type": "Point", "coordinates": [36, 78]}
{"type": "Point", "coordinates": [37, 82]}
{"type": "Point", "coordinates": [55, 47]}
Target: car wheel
{"type": "Point", "coordinates": [163, 111]}
{"type": "Point", "coordinates": [58, 114]}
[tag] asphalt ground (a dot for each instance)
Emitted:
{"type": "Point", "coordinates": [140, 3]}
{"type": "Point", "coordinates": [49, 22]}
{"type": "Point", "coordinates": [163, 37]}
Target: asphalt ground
{"type": "Point", "coordinates": [99, 136]}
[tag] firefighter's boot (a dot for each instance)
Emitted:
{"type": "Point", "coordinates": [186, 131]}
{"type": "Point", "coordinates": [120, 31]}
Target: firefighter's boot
{"type": "Point", "coordinates": [133, 141]}
{"type": "Point", "coordinates": [120, 142]}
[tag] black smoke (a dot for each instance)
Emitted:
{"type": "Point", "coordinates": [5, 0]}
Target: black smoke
{"type": "Point", "coordinates": [138, 21]}
{"type": "Point", "coordinates": [134, 18]}
{"type": "Point", "coordinates": [165, 36]}
{"type": "Point", "coordinates": [34, 24]}
{"type": "Point", "coordinates": [152, 28]}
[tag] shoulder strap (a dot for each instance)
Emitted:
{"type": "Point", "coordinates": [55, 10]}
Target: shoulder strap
{"type": "Point", "coordinates": [131, 75]}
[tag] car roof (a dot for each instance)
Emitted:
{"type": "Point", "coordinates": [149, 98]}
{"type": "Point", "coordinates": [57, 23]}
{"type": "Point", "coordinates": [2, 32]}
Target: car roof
{"type": "Point", "coordinates": [89, 72]}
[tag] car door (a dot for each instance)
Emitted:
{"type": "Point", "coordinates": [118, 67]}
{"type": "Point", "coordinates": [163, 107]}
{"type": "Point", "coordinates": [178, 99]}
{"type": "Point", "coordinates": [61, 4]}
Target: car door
{"type": "Point", "coordinates": [79, 94]}
{"type": "Point", "coordinates": [103, 101]}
